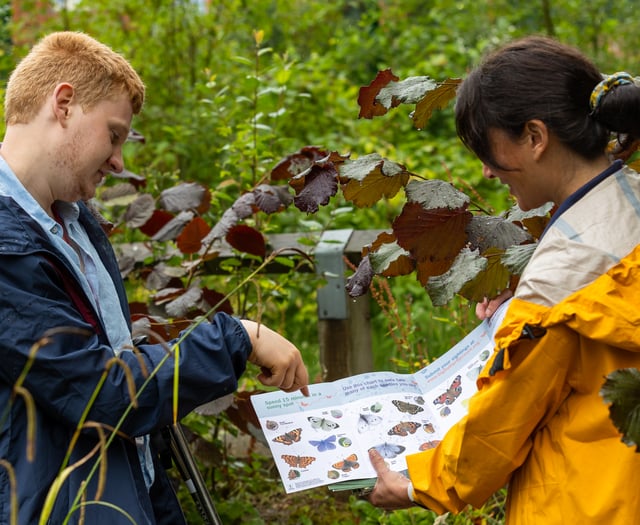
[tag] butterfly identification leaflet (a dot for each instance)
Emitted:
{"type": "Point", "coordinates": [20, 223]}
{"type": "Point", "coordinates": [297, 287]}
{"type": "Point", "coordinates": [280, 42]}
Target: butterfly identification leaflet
{"type": "Point", "coordinates": [323, 439]}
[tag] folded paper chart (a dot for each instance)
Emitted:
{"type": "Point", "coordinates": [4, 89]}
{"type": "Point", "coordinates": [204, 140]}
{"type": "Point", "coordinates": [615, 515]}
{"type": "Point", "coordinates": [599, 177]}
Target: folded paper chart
{"type": "Point", "coordinates": [324, 438]}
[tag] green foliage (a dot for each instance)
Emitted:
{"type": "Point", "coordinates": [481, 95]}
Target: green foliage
{"type": "Point", "coordinates": [225, 102]}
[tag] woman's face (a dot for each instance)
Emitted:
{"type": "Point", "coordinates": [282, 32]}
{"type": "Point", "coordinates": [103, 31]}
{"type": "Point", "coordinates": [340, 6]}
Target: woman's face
{"type": "Point", "coordinates": [518, 169]}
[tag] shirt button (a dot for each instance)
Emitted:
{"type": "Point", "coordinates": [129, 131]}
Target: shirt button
{"type": "Point", "coordinates": [54, 229]}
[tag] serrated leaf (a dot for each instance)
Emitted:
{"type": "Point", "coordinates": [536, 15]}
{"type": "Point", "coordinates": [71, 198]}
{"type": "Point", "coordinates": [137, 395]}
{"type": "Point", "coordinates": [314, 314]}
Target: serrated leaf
{"type": "Point", "coordinates": [173, 228]}
{"type": "Point", "coordinates": [388, 258]}
{"type": "Point", "coordinates": [140, 211]}
{"type": "Point", "coordinates": [622, 390]}
{"type": "Point", "coordinates": [271, 199]}
{"type": "Point", "coordinates": [408, 91]}
{"type": "Point", "coordinates": [159, 218]}
{"type": "Point", "coordinates": [358, 284]}
{"type": "Point", "coordinates": [298, 162]}
{"type": "Point", "coordinates": [216, 299]}
{"type": "Point", "coordinates": [185, 302]}
{"type": "Point", "coordinates": [436, 98]}
{"type": "Point", "coordinates": [190, 239]}
{"type": "Point", "coordinates": [368, 179]}
{"type": "Point", "coordinates": [492, 280]}
{"type": "Point", "coordinates": [534, 221]}
{"type": "Point", "coordinates": [436, 234]}
{"type": "Point", "coordinates": [315, 187]}
{"type": "Point", "coordinates": [486, 232]}
{"type": "Point", "coordinates": [247, 240]}
{"type": "Point", "coordinates": [465, 267]}
{"type": "Point", "coordinates": [245, 205]}
{"type": "Point", "coordinates": [369, 106]}
{"type": "Point", "coordinates": [185, 196]}
{"type": "Point", "coordinates": [120, 194]}
{"type": "Point", "coordinates": [516, 258]}
{"type": "Point", "coordinates": [435, 194]}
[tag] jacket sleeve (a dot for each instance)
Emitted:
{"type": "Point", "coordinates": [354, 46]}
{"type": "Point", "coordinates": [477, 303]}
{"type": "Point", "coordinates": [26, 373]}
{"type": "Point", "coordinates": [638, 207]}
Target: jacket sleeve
{"type": "Point", "coordinates": [70, 359]}
{"type": "Point", "coordinates": [520, 388]}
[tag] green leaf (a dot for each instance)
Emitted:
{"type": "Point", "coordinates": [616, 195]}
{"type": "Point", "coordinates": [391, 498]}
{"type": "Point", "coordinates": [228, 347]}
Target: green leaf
{"type": "Point", "coordinates": [622, 390]}
{"type": "Point", "coordinates": [516, 258]}
{"type": "Point", "coordinates": [466, 266]}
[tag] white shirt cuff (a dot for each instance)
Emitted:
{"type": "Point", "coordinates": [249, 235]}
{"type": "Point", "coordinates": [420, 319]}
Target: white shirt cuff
{"type": "Point", "coordinates": [410, 492]}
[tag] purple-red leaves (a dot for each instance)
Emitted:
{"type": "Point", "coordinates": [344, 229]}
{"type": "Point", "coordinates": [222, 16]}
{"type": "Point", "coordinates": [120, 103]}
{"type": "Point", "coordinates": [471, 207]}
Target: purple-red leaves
{"type": "Point", "coordinates": [369, 106]}
{"type": "Point", "coordinates": [386, 92]}
{"type": "Point", "coordinates": [190, 239]}
{"type": "Point", "coordinates": [247, 239]}
{"type": "Point", "coordinates": [185, 196]}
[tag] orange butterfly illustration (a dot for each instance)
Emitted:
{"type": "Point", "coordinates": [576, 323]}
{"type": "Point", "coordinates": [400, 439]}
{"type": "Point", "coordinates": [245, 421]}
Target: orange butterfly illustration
{"type": "Point", "coordinates": [298, 461]}
{"type": "Point", "coordinates": [347, 464]}
{"type": "Point", "coordinates": [290, 437]}
{"type": "Point", "coordinates": [404, 428]}
{"type": "Point", "coordinates": [428, 445]}
{"type": "Point", "coordinates": [450, 394]}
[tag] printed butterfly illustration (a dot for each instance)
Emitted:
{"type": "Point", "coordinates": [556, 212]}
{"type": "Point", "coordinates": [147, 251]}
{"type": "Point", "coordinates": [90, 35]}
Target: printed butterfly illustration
{"type": "Point", "coordinates": [367, 420]}
{"type": "Point", "coordinates": [429, 428]}
{"type": "Point", "coordinates": [450, 394]}
{"type": "Point", "coordinates": [324, 444]}
{"type": "Point", "coordinates": [419, 400]}
{"type": "Point", "coordinates": [293, 474]}
{"type": "Point", "coordinates": [427, 445]}
{"type": "Point", "coordinates": [407, 408]}
{"type": "Point", "coordinates": [288, 438]}
{"type": "Point", "coordinates": [347, 463]}
{"type": "Point", "coordinates": [298, 461]}
{"type": "Point", "coordinates": [389, 450]}
{"type": "Point", "coordinates": [404, 428]}
{"type": "Point", "coordinates": [322, 423]}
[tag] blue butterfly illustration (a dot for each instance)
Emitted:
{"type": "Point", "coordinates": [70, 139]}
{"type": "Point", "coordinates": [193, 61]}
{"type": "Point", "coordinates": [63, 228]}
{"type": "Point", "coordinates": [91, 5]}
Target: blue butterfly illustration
{"type": "Point", "coordinates": [389, 450]}
{"type": "Point", "coordinates": [324, 444]}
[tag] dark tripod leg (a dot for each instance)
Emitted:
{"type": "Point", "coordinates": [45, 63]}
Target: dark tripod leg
{"type": "Point", "coordinates": [188, 469]}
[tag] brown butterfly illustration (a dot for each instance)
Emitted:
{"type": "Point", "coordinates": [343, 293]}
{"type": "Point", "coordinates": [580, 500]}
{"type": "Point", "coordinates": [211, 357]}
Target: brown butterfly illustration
{"type": "Point", "coordinates": [404, 428]}
{"type": "Point", "coordinates": [347, 463]}
{"type": "Point", "coordinates": [298, 461]}
{"type": "Point", "coordinates": [290, 437]}
{"type": "Point", "coordinates": [407, 408]}
{"type": "Point", "coordinates": [450, 394]}
{"type": "Point", "coordinates": [428, 445]}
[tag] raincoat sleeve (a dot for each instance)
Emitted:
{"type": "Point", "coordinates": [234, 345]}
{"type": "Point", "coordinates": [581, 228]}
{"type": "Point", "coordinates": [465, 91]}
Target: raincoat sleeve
{"type": "Point", "coordinates": [522, 385]}
{"type": "Point", "coordinates": [71, 368]}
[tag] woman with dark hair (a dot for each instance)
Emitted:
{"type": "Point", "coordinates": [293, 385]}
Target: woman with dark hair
{"type": "Point", "coordinates": [540, 116]}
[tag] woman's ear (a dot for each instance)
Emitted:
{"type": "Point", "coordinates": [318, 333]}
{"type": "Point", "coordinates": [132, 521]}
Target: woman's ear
{"type": "Point", "coordinates": [61, 101]}
{"type": "Point", "coordinates": [537, 135]}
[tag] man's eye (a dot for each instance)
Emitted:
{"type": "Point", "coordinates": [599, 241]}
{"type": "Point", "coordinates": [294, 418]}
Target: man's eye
{"type": "Point", "coordinates": [114, 137]}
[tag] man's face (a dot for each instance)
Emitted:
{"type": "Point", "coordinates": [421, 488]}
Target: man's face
{"type": "Point", "coordinates": [92, 148]}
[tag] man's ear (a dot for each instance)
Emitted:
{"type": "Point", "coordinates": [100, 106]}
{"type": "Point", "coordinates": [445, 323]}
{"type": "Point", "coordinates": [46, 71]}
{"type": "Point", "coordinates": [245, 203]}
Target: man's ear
{"type": "Point", "coordinates": [61, 101]}
{"type": "Point", "coordinates": [537, 137]}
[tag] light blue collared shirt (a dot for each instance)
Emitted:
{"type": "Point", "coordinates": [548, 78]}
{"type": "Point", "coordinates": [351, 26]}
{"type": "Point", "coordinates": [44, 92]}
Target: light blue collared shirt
{"type": "Point", "coordinates": [90, 271]}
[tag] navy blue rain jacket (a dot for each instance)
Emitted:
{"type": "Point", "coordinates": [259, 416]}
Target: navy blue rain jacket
{"type": "Point", "coordinates": [39, 293]}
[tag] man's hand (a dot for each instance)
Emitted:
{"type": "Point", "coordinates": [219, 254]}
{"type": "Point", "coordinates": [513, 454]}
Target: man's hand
{"type": "Point", "coordinates": [279, 360]}
{"type": "Point", "coordinates": [391, 489]}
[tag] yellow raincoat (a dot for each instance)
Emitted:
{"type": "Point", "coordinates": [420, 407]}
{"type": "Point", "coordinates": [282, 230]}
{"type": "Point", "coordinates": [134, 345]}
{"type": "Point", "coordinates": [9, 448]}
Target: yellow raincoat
{"type": "Point", "coordinates": [538, 423]}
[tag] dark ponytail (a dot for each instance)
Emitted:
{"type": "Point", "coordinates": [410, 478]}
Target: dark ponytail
{"type": "Point", "coordinates": [539, 78]}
